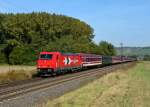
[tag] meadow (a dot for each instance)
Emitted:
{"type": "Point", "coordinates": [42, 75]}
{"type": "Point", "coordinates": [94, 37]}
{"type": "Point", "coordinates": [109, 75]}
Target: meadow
{"type": "Point", "coordinates": [15, 73]}
{"type": "Point", "coordinates": [123, 88]}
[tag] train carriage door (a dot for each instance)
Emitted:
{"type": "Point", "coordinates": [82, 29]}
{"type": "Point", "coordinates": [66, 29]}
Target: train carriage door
{"type": "Point", "coordinates": [57, 61]}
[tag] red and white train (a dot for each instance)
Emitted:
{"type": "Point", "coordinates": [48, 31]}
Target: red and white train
{"type": "Point", "coordinates": [50, 63]}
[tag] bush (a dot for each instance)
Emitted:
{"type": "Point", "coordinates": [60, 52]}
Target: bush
{"type": "Point", "coordinates": [146, 58]}
{"type": "Point", "coordinates": [2, 58]}
{"type": "Point", "coordinates": [22, 55]}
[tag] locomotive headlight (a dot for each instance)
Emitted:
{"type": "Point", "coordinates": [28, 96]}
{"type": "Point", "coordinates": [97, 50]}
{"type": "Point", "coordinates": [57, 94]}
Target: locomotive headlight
{"type": "Point", "coordinates": [38, 70]}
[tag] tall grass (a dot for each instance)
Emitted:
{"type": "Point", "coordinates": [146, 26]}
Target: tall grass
{"type": "Point", "coordinates": [16, 75]}
{"type": "Point", "coordinates": [124, 88]}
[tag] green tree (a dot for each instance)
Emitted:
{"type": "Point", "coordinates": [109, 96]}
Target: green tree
{"type": "Point", "coordinates": [2, 36]}
{"type": "Point", "coordinates": [28, 33]}
{"type": "Point", "coordinates": [3, 59]}
{"type": "Point", "coordinates": [11, 44]}
{"type": "Point", "coordinates": [146, 58]}
{"type": "Point", "coordinates": [107, 48]}
{"type": "Point", "coordinates": [68, 44]}
{"type": "Point", "coordinates": [22, 55]}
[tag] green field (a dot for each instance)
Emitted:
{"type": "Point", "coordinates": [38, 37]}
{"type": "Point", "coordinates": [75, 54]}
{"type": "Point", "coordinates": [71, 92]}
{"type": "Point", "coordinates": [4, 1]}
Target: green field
{"type": "Point", "coordinates": [129, 88]}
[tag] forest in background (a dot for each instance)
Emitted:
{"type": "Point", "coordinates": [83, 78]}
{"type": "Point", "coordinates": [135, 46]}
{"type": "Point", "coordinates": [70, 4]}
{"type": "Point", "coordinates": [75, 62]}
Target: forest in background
{"type": "Point", "coordinates": [24, 35]}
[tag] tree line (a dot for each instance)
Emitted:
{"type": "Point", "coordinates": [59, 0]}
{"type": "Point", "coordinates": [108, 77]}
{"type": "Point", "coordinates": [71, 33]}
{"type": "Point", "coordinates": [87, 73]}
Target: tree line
{"type": "Point", "coordinates": [146, 58]}
{"type": "Point", "coordinates": [24, 35]}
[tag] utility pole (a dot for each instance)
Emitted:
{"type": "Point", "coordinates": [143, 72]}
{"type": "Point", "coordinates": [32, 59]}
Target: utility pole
{"type": "Point", "coordinates": [121, 44]}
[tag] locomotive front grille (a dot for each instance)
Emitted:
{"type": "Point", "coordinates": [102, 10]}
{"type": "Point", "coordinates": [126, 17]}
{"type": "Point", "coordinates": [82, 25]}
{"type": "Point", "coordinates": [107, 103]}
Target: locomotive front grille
{"type": "Point", "coordinates": [45, 71]}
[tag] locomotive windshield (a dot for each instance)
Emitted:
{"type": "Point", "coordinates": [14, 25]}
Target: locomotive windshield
{"type": "Point", "coordinates": [46, 56]}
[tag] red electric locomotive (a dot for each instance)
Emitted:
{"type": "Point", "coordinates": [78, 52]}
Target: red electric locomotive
{"type": "Point", "coordinates": [57, 62]}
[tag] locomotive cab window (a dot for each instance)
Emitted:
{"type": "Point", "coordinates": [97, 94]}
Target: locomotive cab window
{"type": "Point", "coordinates": [46, 56]}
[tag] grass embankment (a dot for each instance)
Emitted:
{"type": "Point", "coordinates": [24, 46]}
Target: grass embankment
{"type": "Point", "coordinates": [130, 88]}
{"type": "Point", "coordinates": [14, 73]}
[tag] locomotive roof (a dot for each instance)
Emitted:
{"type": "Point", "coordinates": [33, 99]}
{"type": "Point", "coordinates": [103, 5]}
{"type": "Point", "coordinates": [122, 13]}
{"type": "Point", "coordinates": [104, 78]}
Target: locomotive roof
{"type": "Point", "coordinates": [71, 54]}
{"type": "Point", "coordinates": [63, 53]}
{"type": "Point", "coordinates": [85, 54]}
{"type": "Point", "coordinates": [45, 52]}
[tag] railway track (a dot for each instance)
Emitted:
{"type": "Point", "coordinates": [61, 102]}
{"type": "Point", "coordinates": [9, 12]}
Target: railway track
{"type": "Point", "coordinates": [20, 88]}
{"type": "Point", "coordinates": [14, 83]}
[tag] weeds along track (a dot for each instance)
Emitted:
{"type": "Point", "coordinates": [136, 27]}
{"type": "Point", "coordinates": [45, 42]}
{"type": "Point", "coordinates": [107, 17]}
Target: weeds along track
{"type": "Point", "coordinates": [18, 82]}
{"type": "Point", "coordinates": [13, 90]}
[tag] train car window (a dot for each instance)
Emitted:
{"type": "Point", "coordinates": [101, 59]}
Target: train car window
{"type": "Point", "coordinates": [91, 59]}
{"type": "Point", "coordinates": [87, 59]}
{"type": "Point", "coordinates": [46, 56]}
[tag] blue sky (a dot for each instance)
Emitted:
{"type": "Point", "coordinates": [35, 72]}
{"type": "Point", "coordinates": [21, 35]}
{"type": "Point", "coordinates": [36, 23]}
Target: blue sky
{"type": "Point", "coordinates": [116, 21]}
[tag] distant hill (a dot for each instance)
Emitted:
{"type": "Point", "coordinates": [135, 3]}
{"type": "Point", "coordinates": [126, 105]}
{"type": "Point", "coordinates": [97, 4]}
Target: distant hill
{"type": "Point", "coordinates": [139, 51]}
